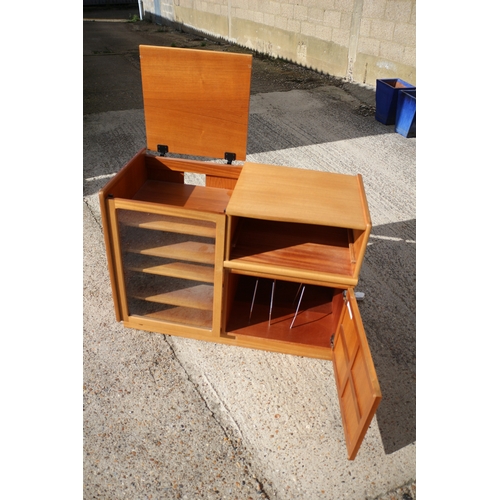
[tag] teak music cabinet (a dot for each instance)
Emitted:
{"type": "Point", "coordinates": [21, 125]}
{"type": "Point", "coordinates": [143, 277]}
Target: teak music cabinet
{"type": "Point", "coordinates": [261, 256]}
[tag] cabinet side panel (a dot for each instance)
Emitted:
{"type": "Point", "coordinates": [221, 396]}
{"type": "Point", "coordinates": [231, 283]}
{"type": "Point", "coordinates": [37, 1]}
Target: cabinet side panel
{"type": "Point", "coordinates": [110, 252]}
{"type": "Point", "coordinates": [218, 276]}
{"type": "Point", "coordinates": [119, 279]}
{"type": "Point", "coordinates": [359, 248]}
{"type": "Point", "coordinates": [361, 236]}
{"type": "Point", "coordinates": [123, 185]}
{"type": "Point", "coordinates": [128, 180]}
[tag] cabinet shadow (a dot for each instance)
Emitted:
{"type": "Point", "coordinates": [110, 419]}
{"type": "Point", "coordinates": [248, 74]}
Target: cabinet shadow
{"type": "Point", "coordinates": [388, 278]}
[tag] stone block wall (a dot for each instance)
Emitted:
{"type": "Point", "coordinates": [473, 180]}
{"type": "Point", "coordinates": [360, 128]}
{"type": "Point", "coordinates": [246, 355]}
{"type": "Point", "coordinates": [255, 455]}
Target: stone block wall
{"type": "Point", "coordinates": [360, 40]}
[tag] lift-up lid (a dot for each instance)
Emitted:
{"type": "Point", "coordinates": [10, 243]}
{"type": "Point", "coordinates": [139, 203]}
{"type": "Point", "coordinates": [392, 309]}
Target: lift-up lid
{"type": "Point", "coordinates": [196, 102]}
{"type": "Point", "coordinates": [357, 383]}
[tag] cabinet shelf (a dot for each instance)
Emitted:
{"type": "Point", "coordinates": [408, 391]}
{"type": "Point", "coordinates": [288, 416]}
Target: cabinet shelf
{"type": "Point", "coordinates": [292, 249]}
{"type": "Point", "coordinates": [167, 223]}
{"type": "Point", "coordinates": [178, 270]}
{"type": "Point", "coordinates": [183, 316]}
{"type": "Point", "coordinates": [190, 251]}
{"type": "Point", "coordinates": [197, 297]}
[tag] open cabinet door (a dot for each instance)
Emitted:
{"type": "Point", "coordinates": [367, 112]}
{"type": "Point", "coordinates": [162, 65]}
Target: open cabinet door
{"type": "Point", "coordinates": [357, 383]}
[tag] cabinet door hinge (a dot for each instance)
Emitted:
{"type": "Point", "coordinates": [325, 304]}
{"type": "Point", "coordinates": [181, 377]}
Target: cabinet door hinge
{"type": "Point", "coordinates": [230, 157]}
{"type": "Point", "coordinates": [162, 149]}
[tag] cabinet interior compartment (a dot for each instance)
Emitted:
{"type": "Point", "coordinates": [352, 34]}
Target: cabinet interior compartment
{"type": "Point", "coordinates": [168, 267]}
{"type": "Point", "coordinates": [162, 180]}
{"type": "Point", "coordinates": [269, 309]}
{"type": "Point", "coordinates": [309, 247]}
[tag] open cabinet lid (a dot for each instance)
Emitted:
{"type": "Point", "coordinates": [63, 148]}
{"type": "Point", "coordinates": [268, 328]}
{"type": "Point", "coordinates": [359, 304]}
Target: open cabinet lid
{"type": "Point", "coordinates": [196, 102]}
{"type": "Point", "coordinates": [357, 383]}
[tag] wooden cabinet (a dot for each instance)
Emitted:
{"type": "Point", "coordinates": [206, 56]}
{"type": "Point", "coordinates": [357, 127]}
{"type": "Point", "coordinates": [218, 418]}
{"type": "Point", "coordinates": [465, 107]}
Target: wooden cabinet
{"type": "Point", "coordinates": [261, 256]}
{"type": "Point", "coordinates": [165, 245]}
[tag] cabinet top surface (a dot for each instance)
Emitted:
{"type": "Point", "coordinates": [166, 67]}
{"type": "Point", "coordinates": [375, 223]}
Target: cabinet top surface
{"type": "Point", "coordinates": [196, 102]}
{"type": "Point", "coordinates": [298, 195]}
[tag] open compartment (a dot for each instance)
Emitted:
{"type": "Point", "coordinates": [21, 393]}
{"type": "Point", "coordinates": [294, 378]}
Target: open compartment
{"type": "Point", "coordinates": [297, 224]}
{"type": "Point", "coordinates": [282, 311]}
{"type": "Point", "coordinates": [161, 180]}
{"type": "Point", "coordinates": [294, 249]}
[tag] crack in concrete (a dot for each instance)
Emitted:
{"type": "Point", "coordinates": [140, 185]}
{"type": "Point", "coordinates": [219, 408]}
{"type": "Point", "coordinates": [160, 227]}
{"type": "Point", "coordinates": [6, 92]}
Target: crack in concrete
{"type": "Point", "coordinates": [406, 491]}
{"type": "Point", "coordinates": [260, 486]}
{"type": "Point", "coordinates": [223, 405]}
{"type": "Point", "coordinates": [97, 219]}
{"type": "Point", "coordinates": [152, 375]}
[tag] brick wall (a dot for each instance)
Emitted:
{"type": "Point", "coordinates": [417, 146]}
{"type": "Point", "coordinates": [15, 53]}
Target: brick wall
{"type": "Point", "coordinates": [360, 40]}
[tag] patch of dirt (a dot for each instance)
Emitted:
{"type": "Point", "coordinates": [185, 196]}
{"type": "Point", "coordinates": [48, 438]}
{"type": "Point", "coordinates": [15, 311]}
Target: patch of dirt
{"type": "Point", "coordinates": [268, 74]}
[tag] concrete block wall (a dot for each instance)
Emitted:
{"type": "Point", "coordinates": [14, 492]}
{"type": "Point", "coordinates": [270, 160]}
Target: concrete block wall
{"type": "Point", "coordinates": [360, 40]}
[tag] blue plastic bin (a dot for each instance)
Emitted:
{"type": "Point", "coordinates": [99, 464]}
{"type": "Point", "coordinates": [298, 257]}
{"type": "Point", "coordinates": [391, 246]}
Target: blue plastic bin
{"type": "Point", "coordinates": [406, 113]}
{"type": "Point", "coordinates": [386, 99]}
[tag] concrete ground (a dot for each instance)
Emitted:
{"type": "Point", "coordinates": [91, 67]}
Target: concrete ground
{"type": "Point", "coordinates": [168, 417]}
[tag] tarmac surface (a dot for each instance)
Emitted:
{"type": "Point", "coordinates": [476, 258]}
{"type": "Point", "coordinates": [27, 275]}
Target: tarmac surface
{"type": "Point", "coordinates": [168, 417]}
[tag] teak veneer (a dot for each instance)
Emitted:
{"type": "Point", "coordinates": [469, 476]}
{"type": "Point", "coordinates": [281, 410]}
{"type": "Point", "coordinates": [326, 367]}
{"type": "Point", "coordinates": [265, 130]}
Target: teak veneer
{"type": "Point", "coordinates": [260, 256]}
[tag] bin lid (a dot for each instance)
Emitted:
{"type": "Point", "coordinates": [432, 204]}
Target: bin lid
{"type": "Point", "coordinates": [196, 102]}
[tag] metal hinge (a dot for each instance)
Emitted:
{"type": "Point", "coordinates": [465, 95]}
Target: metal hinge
{"type": "Point", "coordinates": [162, 149]}
{"type": "Point", "coordinates": [230, 157]}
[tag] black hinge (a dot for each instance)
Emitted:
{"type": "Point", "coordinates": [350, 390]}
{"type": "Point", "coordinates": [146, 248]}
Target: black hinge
{"type": "Point", "coordinates": [230, 157]}
{"type": "Point", "coordinates": [163, 150]}
{"type": "Point", "coordinates": [332, 340]}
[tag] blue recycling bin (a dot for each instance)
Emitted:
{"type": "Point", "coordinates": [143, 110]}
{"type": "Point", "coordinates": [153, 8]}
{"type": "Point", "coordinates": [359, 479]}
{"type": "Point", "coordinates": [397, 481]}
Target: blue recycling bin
{"type": "Point", "coordinates": [406, 113]}
{"type": "Point", "coordinates": [386, 98]}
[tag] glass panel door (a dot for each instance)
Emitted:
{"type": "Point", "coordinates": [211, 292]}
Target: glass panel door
{"type": "Point", "coordinates": [168, 266]}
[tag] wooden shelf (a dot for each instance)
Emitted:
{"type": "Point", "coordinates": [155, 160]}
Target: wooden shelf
{"type": "Point", "coordinates": [179, 270]}
{"type": "Point", "coordinates": [189, 251]}
{"type": "Point", "coordinates": [302, 248]}
{"type": "Point", "coordinates": [197, 297]}
{"type": "Point", "coordinates": [184, 316]}
{"type": "Point", "coordinates": [166, 223]}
